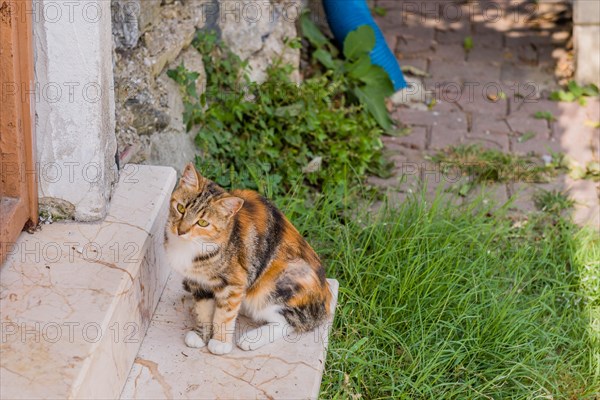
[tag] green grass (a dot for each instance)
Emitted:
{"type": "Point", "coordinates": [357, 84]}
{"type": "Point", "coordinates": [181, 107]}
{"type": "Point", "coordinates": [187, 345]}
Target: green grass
{"type": "Point", "coordinates": [437, 302]}
{"type": "Point", "coordinates": [552, 201]}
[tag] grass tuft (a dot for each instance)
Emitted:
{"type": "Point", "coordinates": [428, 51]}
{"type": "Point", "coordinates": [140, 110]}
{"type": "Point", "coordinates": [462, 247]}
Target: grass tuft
{"type": "Point", "coordinates": [552, 201]}
{"type": "Point", "coordinates": [443, 303]}
{"type": "Point", "coordinates": [490, 165]}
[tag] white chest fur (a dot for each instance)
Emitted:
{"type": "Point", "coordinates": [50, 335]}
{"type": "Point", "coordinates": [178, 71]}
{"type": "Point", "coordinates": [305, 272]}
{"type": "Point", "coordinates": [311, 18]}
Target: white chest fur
{"type": "Point", "coordinates": [180, 254]}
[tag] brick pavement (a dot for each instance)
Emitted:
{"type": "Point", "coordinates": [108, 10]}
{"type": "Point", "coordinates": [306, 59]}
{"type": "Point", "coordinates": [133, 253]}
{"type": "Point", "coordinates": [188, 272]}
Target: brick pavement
{"type": "Point", "coordinates": [511, 55]}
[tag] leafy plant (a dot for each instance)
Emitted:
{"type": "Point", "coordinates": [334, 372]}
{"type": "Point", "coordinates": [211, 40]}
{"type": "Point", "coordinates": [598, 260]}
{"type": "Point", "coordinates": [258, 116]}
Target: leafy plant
{"type": "Point", "coordinates": [368, 83]}
{"type": "Point", "coordinates": [574, 92]}
{"type": "Point", "coordinates": [277, 128]}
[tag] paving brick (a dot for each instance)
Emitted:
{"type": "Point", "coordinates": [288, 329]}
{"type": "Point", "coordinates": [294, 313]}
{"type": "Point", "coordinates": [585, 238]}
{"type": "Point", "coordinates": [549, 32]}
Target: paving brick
{"type": "Point", "coordinates": [517, 38]}
{"type": "Point", "coordinates": [528, 80]}
{"type": "Point", "coordinates": [420, 63]}
{"type": "Point", "coordinates": [448, 52]}
{"type": "Point", "coordinates": [490, 20]}
{"type": "Point", "coordinates": [521, 196]}
{"type": "Point", "coordinates": [493, 40]}
{"type": "Point", "coordinates": [520, 125]}
{"type": "Point", "coordinates": [453, 33]}
{"type": "Point", "coordinates": [415, 140]}
{"type": "Point", "coordinates": [412, 117]}
{"type": "Point", "coordinates": [488, 55]}
{"type": "Point", "coordinates": [419, 14]}
{"type": "Point", "coordinates": [528, 107]}
{"type": "Point", "coordinates": [447, 129]}
{"type": "Point", "coordinates": [454, 15]}
{"type": "Point", "coordinates": [491, 141]}
{"type": "Point", "coordinates": [484, 124]}
{"type": "Point", "coordinates": [548, 56]}
{"type": "Point", "coordinates": [461, 71]}
{"type": "Point", "coordinates": [477, 100]}
{"type": "Point", "coordinates": [391, 39]}
{"type": "Point", "coordinates": [411, 48]}
{"type": "Point", "coordinates": [443, 106]}
{"type": "Point", "coordinates": [538, 145]}
{"type": "Point", "coordinates": [528, 54]}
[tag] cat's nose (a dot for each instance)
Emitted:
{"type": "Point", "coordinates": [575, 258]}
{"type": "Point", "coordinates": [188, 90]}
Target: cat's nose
{"type": "Point", "coordinates": [180, 231]}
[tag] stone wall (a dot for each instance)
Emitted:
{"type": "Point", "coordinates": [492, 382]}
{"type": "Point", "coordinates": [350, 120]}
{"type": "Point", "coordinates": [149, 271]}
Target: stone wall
{"type": "Point", "coordinates": [153, 36]}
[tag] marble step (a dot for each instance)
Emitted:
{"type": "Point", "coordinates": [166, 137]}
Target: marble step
{"type": "Point", "coordinates": [76, 298]}
{"type": "Point", "coordinates": [290, 368]}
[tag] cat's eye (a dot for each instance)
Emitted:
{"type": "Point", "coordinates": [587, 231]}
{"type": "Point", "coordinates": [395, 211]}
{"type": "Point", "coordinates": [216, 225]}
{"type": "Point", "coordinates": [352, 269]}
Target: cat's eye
{"type": "Point", "coordinates": [202, 223]}
{"type": "Point", "coordinates": [180, 208]}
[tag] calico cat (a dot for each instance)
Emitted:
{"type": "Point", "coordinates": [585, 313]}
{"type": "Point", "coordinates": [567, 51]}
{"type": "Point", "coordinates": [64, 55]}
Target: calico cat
{"type": "Point", "coordinates": [238, 253]}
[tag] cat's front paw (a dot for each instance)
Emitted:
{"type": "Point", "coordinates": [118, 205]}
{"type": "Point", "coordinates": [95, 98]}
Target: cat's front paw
{"type": "Point", "coordinates": [192, 339]}
{"type": "Point", "coordinates": [219, 348]}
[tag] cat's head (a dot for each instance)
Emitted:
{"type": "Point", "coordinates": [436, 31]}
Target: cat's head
{"type": "Point", "coordinates": [201, 210]}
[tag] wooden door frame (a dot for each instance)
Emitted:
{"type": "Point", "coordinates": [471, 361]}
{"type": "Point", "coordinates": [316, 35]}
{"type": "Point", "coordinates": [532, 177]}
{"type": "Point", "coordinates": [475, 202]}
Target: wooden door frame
{"type": "Point", "coordinates": [18, 181]}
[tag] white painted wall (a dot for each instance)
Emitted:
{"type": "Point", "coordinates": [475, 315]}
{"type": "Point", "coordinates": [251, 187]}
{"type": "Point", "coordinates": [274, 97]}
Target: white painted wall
{"type": "Point", "coordinates": [75, 116]}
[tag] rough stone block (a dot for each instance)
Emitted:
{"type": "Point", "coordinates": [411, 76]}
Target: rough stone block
{"type": "Point", "coordinates": [260, 39]}
{"type": "Point", "coordinates": [131, 18]}
{"type": "Point", "coordinates": [587, 48]}
{"type": "Point", "coordinates": [586, 12]}
{"type": "Point", "coordinates": [192, 60]}
{"type": "Point", "coordinates": [165, 42]}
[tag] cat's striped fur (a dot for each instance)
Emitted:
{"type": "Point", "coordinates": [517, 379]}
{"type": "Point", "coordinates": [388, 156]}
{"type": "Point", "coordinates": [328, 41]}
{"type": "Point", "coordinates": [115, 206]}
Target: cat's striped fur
{"type": "Point", "coordinates": [247, 257]}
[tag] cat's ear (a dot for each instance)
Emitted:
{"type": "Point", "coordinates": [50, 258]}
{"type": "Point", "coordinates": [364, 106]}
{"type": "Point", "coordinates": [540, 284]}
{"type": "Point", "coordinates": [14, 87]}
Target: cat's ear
{"type": "Point", "coordinates": [190, 177]}
{"type": "Point", "coordinates": [230, 205]}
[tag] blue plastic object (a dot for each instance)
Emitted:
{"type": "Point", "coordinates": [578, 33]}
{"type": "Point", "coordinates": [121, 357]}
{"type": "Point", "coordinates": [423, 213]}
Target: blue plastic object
{"type": "Point", "coordinates": [345, 16]}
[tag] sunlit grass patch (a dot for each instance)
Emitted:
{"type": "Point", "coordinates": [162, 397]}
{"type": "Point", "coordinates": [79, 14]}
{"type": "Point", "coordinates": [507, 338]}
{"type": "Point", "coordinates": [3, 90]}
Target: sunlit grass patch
{"type": "Point", "coordinates": [437, 302]}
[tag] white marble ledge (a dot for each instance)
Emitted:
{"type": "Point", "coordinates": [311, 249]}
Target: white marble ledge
{"type": "Point", "coordinates": [290, 368]}
{"type": "Point", "coordinates": [76, 298]}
